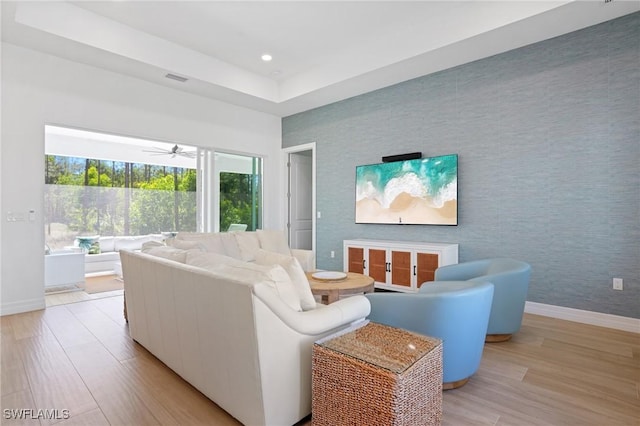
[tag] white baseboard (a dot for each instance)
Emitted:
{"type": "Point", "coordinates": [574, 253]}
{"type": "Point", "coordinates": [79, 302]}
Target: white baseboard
{"type": "Point", "coordinates": [585, 317]}
{"type": "Point", "coordinates": [22, 306]}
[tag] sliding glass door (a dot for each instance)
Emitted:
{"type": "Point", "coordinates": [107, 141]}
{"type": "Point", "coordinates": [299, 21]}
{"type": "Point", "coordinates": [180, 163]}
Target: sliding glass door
{"type": "Point", "coordinates": [98, 184]}
{"type": "Point", "coordinates": [102, 184]}
{"type": "Point", "coordinates": [231, 199]}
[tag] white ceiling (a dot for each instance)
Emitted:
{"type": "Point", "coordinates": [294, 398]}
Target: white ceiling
{"type": "Point", "coordinates": [323, 51]}
{"type": "Point", "coordinates": [70, 142]}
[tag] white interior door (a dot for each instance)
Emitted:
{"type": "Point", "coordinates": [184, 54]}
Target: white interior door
{"type": "Point", "coordinates": [301, 200]}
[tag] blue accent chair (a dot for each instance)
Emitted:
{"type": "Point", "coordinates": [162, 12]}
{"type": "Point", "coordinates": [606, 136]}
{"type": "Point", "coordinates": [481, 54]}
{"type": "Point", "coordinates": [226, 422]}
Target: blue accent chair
{"type": "Point", "coordinates": [455, 312]}
{"type": "Point", "coordinates": [511, 280]}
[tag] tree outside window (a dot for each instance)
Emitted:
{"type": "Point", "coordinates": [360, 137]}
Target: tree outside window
{"type": "Point", "coordinates": [85, 196]}
{"type": "Point", "coordinates": [240, 189]}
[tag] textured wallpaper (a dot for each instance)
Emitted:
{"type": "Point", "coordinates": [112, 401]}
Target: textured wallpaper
{"type": "Point", "coordinates": [548, 138]}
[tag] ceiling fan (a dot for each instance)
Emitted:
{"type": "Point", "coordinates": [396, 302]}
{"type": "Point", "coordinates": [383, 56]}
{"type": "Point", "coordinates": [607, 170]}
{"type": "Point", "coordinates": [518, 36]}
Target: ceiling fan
{"type": "Point", "coordinates": [175, 150]}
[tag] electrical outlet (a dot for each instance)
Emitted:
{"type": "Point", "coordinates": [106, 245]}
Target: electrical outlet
{"type": "Point", "coordinates": [333, 254]}
{"type": "Point", "coordinates": [617, 283]}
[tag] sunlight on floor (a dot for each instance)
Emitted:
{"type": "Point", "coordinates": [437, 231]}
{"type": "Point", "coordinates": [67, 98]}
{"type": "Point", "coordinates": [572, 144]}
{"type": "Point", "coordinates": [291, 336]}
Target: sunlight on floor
{"type": "Point", "coordinates": [77, 296]}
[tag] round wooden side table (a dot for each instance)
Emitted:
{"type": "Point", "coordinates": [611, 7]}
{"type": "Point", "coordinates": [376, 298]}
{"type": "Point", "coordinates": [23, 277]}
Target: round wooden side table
{"type": "Point", "coordinates": [331, 290]}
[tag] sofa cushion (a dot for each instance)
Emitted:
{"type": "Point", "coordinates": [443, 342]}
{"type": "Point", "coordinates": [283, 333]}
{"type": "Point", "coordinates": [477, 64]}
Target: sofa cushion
{"type": "Point", "coordinates": [149, 244]}
{"type": "Point", "coordinates": [230, 245]}
{"type": "Point", "coordinates": [275, 241]}
{"type": "Point", "coordinates": [171, 253]}
{"type": "Point", "coordinates": [108, 257]}
{"type": "Point", "coordinates": [209, 261]}
{"type": "Point", "coordinates": [135, 242]}
{"type": "Point", "coordinates": [273, 275]}
{"type": "Point", "coordinates": [185, 244]}
{"type": "Point", "coordinates": [107, 244]}
{"type": "Point", "coordinates": [248, 244]}
{"type": "Point", "coordinates": [209, 241]}
{"type": "Point", "coordinates": [296, 273]}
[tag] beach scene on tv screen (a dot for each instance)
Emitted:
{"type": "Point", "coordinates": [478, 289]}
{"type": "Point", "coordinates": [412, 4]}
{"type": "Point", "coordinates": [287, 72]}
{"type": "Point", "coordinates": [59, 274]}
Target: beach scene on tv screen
{"type": "Point", "coordinates": [422, 191]}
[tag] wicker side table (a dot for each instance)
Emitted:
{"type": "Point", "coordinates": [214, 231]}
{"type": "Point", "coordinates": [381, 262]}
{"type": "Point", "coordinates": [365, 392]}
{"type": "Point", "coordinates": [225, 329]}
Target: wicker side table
{"type": "Point", "coordinates": [377, 375]}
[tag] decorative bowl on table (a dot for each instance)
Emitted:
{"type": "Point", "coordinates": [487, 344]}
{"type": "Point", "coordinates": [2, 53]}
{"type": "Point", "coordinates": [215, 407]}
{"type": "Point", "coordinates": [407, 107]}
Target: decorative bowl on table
{"type": "Point", "coordinates": [329, 275]}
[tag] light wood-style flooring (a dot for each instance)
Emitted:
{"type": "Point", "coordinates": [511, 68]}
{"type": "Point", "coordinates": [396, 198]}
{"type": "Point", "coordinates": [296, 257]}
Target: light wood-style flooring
{"type": "Point", "coordinates": [79, 294]}
{"type": "Point", "coordinates": [66, 297]}
{"type": "Point", "coordinates": [79, 357]}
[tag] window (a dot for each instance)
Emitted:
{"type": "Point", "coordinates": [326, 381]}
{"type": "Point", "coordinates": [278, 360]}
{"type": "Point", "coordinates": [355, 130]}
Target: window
{"type": "Point", "coordinates": [240, 191]}
{"type": "Point", "coordinates": [101, 184]}
{"type": "Point", "coordinates": [94, 192]}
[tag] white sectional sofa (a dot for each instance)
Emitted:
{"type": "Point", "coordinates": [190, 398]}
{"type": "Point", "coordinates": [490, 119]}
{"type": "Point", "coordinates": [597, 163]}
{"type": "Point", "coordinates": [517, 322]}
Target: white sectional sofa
{"type": "Point", "coordinates": [240, 331]}
{"type": "Point", "coordinates": [243, 245]}
{"type": "Point", "coordinates": [107, 261]}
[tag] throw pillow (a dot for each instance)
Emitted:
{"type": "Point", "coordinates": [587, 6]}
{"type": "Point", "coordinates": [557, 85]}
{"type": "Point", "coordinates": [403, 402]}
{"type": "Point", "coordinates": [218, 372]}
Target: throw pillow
{"type": "Point", "coordinates": [95, 248]}
{"type": "Point", "coordinates": [274, 276]}
{"type": "Point", "coordinates": [236, 269]}
{"type": "Point", "coordinates": [275, 241]}
{"type": "Point", "coordinates": [248, 244]}
{"type": "Point", "coordinates": [296, 273]}
{"type": "Point", "coordinates": [85, 242]}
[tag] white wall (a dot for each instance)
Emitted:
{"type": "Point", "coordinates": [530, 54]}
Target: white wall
{"type": "Point", "coordinates": [40, 89]}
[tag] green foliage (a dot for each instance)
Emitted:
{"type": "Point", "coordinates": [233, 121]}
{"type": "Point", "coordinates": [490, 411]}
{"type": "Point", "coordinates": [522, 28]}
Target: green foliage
{"type": "Point", "coordinates": [239, 202]}
{"type": "Point", "coordinates": [165, 183]}
{"type": "Point", "coordinates": [157, 198]}
{"type": "Point", "coordinates": [189, 181]}
{"type": "Point", "coordinates": [154, 199]}
{"type": "Point", "coordinates": [98, 179]}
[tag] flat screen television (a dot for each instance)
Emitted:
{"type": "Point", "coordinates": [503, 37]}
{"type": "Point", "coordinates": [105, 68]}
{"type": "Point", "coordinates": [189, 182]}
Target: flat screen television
{"type": "Point", "coordinates": [412, 192]}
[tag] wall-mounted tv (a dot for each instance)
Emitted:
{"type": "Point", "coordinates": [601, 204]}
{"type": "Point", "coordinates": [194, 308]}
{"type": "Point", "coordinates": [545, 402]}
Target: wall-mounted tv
{"type": "Point", "coordinates": [413, 192]}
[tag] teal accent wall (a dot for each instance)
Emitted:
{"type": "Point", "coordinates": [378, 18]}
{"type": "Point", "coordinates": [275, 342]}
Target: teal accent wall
{"type": "Point", "coordinates": [548, 138]}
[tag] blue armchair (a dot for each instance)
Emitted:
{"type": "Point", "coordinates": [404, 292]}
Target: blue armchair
{"type": "Point", "coordinates": [511, 280]}
{"type": "Point", "coordinates": [455, 312]}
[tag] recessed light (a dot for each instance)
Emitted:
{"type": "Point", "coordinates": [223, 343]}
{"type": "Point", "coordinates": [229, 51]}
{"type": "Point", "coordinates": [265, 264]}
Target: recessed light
{"type": "Point", "coordinates": [266, 57]}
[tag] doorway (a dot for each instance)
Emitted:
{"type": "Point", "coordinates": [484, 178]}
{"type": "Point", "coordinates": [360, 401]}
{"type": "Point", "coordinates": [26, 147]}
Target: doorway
{"type": "Point", "coordinates": [106, 192]}
{"type": "Point", "coordinates": [301, 196]}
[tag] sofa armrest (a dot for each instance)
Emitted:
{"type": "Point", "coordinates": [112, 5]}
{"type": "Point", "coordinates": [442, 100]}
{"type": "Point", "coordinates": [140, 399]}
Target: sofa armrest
{"type": "Point", "coordinates": [460, 271]}
{"type": "Point", "coordinates": [316, 321]}
{"type": "Point", "coordinates": [307, 259]}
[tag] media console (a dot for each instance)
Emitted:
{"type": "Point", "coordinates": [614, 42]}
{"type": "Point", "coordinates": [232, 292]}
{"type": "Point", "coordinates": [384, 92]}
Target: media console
{"type": "Point", "coordinates": [397, 265]}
